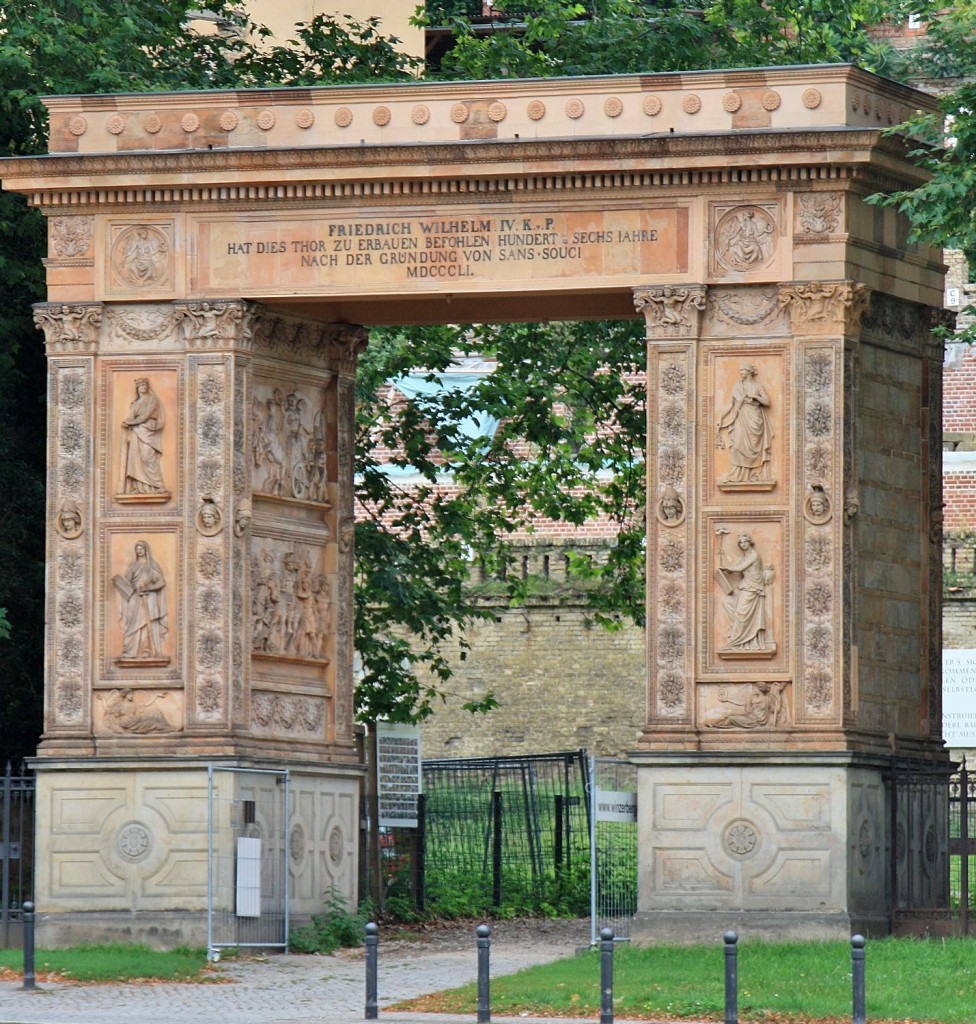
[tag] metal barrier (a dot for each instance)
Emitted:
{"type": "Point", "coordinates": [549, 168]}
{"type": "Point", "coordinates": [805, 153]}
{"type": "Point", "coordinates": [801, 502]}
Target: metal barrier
{"type": "Point", "coordinates": [16, 852]}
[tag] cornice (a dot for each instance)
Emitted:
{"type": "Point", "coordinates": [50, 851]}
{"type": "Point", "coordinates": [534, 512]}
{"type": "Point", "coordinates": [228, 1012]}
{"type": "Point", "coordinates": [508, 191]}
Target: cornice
{"type": "Point", "coordinates": [251, 178]}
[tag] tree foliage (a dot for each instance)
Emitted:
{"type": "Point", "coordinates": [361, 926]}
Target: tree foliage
{"type": "Point", "coordinates": [568, 398]}
{"type": "Point", "coordinates": [943, 210]}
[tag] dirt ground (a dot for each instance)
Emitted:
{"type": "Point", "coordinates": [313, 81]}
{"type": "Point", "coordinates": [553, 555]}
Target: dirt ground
{"type": "Point", "coordinates": [561, 936]}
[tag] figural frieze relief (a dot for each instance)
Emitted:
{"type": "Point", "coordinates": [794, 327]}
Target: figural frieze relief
{"type": "Point", "coordinates": [69, 327]}
{"type": "Point", "coordinates": [126, 712]}
{"type": "Point", "coordinates": [141, 256]}
{"type": "Point", "coordinates": [744, 239]}
{"type": "Point", "coordinates": [746, 585]}
{"type": "Point", "coordinates": [761, 705]}
{"type": "Point", "coordinates": [142, 610]}
{"type": "Point", "coordinates": [745, 429]}
{"type": "Point", "coordinates": [288, 443]}
{"type": "Point", "coordinates": [290, 601]}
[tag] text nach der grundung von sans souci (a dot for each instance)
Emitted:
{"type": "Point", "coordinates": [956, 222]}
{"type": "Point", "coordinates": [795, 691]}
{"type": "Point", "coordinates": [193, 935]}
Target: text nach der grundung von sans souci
{"type": "Point", "coordinates": [447, 248]}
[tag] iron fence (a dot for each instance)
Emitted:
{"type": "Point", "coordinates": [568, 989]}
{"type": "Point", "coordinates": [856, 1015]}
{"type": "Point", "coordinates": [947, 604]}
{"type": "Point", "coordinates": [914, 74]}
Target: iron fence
{"type": "Point", "coordinates": [16, 853]}
{"type": "Point", "coordinates": [507, 834]}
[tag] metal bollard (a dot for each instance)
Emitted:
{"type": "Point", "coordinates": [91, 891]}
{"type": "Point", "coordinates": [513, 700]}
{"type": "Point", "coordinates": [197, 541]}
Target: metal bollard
{"type": "Point", "coordinates": [484, 951]}
{"type": "Point", "coordinates": [731, 978]}
{"type": "Point", "coordinates": [372, 941]}
{"type": "Point", "coordinates": [28, 946]}
{"type": "Point", "coordinates": [606, 976]}
{"type": "Point", "coordinates": [857, 977]}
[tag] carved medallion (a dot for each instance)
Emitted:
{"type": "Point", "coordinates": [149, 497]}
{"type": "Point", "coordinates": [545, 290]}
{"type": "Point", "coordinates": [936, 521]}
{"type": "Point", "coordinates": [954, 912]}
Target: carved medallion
{"type": "Point", "coordinates": [745, 239]}
{"type": "Point", "coordinates": [133, 841]}
{"type": "Point", "coordinates": [140, 256]}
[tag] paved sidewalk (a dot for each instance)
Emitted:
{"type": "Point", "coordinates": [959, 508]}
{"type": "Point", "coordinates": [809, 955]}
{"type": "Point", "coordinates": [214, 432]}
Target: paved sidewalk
{"type": "Point", "coordinates": [278, 989]}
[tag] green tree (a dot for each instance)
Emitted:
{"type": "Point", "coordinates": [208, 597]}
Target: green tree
{"type": "Point", "coordinates": [943, 210]}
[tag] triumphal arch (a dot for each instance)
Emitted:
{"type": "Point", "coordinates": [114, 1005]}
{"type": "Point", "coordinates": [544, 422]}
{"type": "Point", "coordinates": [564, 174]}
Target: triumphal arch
{"type": "Point", "coordinates": [214, 262]}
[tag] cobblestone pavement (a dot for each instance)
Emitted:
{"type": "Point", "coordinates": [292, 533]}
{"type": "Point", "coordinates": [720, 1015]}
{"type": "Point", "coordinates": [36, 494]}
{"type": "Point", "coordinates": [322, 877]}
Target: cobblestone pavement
{"type": "Point", "coordinates": [281, 989]}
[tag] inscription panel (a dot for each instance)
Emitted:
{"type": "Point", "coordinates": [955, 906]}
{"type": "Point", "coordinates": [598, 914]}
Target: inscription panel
{"type": "Point", "coordinates": [376, 254]}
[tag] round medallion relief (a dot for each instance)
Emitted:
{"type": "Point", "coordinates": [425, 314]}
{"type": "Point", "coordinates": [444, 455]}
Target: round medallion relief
{"type": "Point", "coordinates": [381, 116]}
{"type": "Point", "coordinates": [304, 118]}
{"type": "Point", "coordinates": [152, 124]}
{"type": "Point", "coordinates": [133, 841]}
{"type": "Point", "coordinates": [574, 109]}
{"type": "Point", "coordinates": [343, 117]}
{"type": "Point", "coordinates": [497, 112]}
{"type": "Point", "coordinates": [651, 106]}
{"type": "Point", "coordinates": [613, 106]}
{"type": "Point", "coordinates": [812, 98]}
{"type": "Point", "coordinates": [459, 113]}
{"type": "Point", "coordinates": [731, 102]}
{"type": "Point", "coordinates": [420, 114]}
{"type": "Point", "coordinates": [336, 843]}
{"type": "Point", "coordinates": [77, 125]}
{"type": "Point", "coordinates": [691, 104]}
{"type": "Point", "coordinates": [189, 122]}
{"type": "Point", "coordinates": [115, 124]}
{"type": "Point", "coordinates": [740, 837]}
{"type": "Point", "coordinates": [228, 120]}
{"type": "Point", "coordinates": [771, 100]}
{"type": "Point", "coordinates": [266, 120]}
{"type": "Point", "coordinates": [536, 110]}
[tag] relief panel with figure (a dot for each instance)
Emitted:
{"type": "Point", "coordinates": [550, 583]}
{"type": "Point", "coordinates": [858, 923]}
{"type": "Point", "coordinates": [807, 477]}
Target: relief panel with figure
{"type": "Point", "coordinates": [288, 441]}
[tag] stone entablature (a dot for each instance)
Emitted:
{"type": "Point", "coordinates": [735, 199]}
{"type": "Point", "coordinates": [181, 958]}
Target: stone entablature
{"type": "Point", "coordinates": [617, 105]}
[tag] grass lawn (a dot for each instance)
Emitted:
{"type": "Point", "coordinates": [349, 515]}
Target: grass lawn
{"type": "Point", "coordinates": [907, 980]}
{"type": "Point", "coordinates": [110, 963]}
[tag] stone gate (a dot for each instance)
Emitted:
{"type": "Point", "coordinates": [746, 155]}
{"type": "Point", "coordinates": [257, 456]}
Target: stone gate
{"type": "Point", "coordinates": [214, 262]}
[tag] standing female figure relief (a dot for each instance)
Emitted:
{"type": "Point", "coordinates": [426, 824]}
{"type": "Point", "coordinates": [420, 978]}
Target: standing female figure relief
{"type": "Point", "coordinates": [746, 585]}
{"type": "Point", "coordinates": [143, 613]}
{"type": "Point", "coordinates": [142, 449]}
{"type": "Point", "coordinates": [750, 430]}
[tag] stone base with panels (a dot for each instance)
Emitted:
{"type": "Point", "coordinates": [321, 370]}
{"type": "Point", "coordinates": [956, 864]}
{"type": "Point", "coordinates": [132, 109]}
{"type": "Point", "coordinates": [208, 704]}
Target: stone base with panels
{"type": "Point", "coordinates": [122, 849]}
{"type": "Point", "coordinates": [776, 847]}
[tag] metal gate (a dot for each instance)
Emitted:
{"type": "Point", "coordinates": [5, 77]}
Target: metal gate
{"type": "Point", "coordinates": [247, 859]}
{"type": "Point", "coordinates": [613, 846]}
{"type": "Point", "coordinates": [16, 854]}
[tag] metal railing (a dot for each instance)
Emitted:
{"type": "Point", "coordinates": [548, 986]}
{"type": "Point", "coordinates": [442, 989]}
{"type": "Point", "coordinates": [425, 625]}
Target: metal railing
{"type": "Point", "coordinates": [16, 853]}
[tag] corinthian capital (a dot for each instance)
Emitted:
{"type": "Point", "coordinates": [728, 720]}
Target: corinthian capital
{"type": "Point", "coordinates": [69, 327]}
{"type": "Point", "coordinates": [825, 307]}
{"type": "Point", "coordinates": [671, 311]}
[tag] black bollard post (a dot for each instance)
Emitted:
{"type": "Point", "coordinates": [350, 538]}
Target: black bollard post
{"type": "Point", "coordinates": [606, 976]}
{"type": "Point", "coordinates": [372, 941]}
{"type": "Point", "coordinates": [731, 978]}
{"type": "Point", "coordinates": [484, 951]}
{"type": "Point", "coordinates": [28, 946]}
{"type": "Point", "coordinates": [857, 977]}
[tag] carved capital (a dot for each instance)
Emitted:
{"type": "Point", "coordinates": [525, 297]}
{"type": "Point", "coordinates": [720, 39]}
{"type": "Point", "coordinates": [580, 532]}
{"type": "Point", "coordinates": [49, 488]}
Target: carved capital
{"type": "Point", "coordinates": [69, 327]}
{"type": "Point", "coordinates": [214, 325]}
{"type": "Point", "coordinates": [671, 311]}
{"type": "Point", "coordinates": [825, 307]}
{"type": "Point", "coordinates": [346, 342]}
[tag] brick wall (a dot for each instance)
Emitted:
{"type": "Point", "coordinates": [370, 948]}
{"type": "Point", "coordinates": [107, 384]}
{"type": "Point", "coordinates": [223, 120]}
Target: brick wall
{"type": "Point", "coordinates": [562, 681]}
